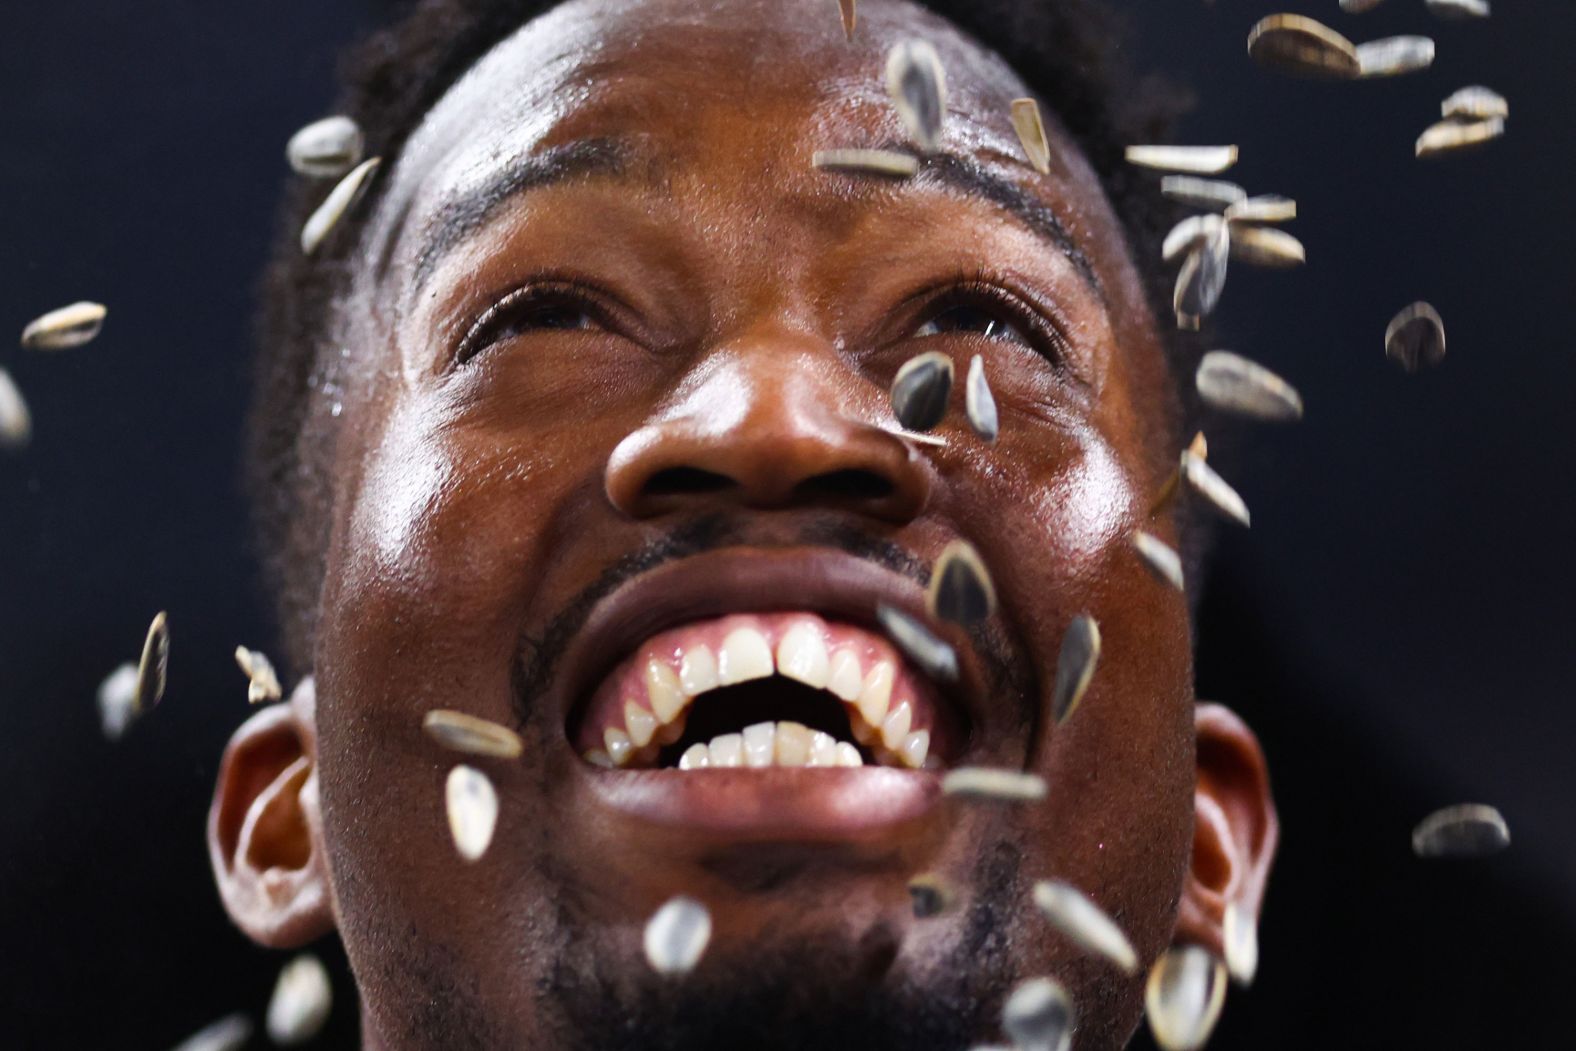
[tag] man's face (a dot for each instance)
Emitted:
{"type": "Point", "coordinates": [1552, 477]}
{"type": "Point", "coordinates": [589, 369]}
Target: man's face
{"type": "Point", "coordinates": [617, 378]}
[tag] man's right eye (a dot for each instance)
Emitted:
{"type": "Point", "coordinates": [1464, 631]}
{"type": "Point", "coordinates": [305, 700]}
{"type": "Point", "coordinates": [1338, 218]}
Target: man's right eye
{"type": "Point", "coordinates": [534, 309]}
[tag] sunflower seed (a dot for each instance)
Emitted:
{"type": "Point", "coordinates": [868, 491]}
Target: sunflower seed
{"type": "Point", "coordinates": [1267, 208]}
{"type": "Point", "coordinates": [1416, 338]}
{"type": "Point", "coordinates": [979, 402]}
{"type": "Point", "coordinates": [1240, 938]}
{"type": "Point", "coordinates": [227, 1034]}
{"type": "Point", "coordinates": [676, 936]}
{"type": "Point", "coordinates": [1202, 279]}
{"type": "Point", "coordinates": [472, 805]}
{"type": "Point", "coordinates": [1162, 561]}
{"type": "Point", "coordinates": [1213, 488]}
{"type": "Point", "coordinates": [934, 657]}
{"type": "Point", "coordinates": [466, 733]}
{"type": "Point", "coordinates": [1357, 7]}
{"type": "Point", "coordinates": [1195, 160]}
{"type": "Point", "coordinates": [1213, 194]}
{"type": "Point", "coordinates": [921, 389]}
{"type": "Point", "coordinates": [264, 684]}
{"type": "Point", "coordinates": [918, 85]}
{"type": "Point", "coordinates": [151, 669]}
{"type": "Point", "coordinates": [1234, 384]}
{"type": "Point", "coordinates": [984, 782]}
{"type": "Point", "coordinates": [931, 896]}
{"type": "Point", "coordinates": [1075, 666]}
{"type": "Point", "coordinates": [117, 700]}
{"type": "Point", "coordinates": [340, 200]}
{"type": "Point", "coordinates": [960, 587]}
{"type": "Point", "coordinates": [65, 328]}
{"type": "Point", "coordinates": [1474, 103]}
{"type": "Point", "coordinates": [1454, 136]}
{"type": "Point", "coordinates": [850, 16]}
{"type": "Point", "coordinates": [1470, 830]}
{"type": "Point", "coordinates": [1303, 47]}
{"type": "Point", "coordinates": [1072, 912]}
{"type": "Point", "coordinates": [1188, 235]}
{"type": "Point", "coordinates": [325, 149]}
{"type": "Point", "coordinates": [1459, 9]}
{"type": "Point", "coordinates": [16, 423]}
{"type": "Point", "coordinates": [301, 1001]}
{"type": "Point", "coordinates": [1198, 447]}
{"type": "Point", "coordinates": [876, 162]}
{"type": "Point", "coordinates": [1030, 127]}
{"type": "Point", "coordinates": [1265, 246]}
{"type": "Point", "coordinates": [1183, 997]}
{"type": "Point", "coordinates": [1038, 1016]}
{"type": "Point", "coordinates": [1394, 56]}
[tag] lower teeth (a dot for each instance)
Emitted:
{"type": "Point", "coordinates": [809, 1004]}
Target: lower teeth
{"type": "Point", "coordinates": [771, 744]}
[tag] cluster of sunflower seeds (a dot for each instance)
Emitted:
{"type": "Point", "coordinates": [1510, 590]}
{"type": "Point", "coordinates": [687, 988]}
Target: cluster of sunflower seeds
{"type": "Point", "coordinates": [1039, 1016]}
{"type": "Point", "coordinates": [325, 149]}
{"type": "Point", "coordinates": [70, 326]}
{"type": "Point", "coordinates": [979, 403]}
{"type": "Point", "coordinates": [1231, 383]}
{"type": "Point", "coordinates": [1240, 938]}
{"type": "Point", "coordinates": [130, 692]}
{"type": "Point", "coordinates": [262, 681]}
{"type": "Point", "coordinates": [229, 1033]}
{"type": "Point", "coordinates": [1087, 925]}
{"type": "Point", "coordinates": [1415, 338]}
{"type": "Point", "coordinates": [1026, 121]}
{"type": "Point", "coordinates": [919, 643]}
{"type": "Point", "coordinates": [471, 735]}
{"type": "Point", "coordinates": [676, 936]}
{"type": "Point", "coordinates": [472, 806]}
{"type": "Point", "coordinates": [1471, 117]}
{"type": "Point", "coordinates": [960, 587]}
{"type": "Point", "coordinates": [1075, 666]}
{"type": "Point", "coordinates": [930, 895]}
{"type": "Point", "coordinates": [983, 782]}
{"type": "Point", "coordinates": [340, 200]}
{"type": "Point", "coordinates": [1207, 242]}
{"type": "Point", "coordinates": [1183, 997]}
{"type": "Point", "coordinates": [875, 162]}
{"type": "Point", "coordinates": [1305, 47]}
{"type": "Point", "coordinates": [1469, 830]}
{"type": "Point", "coordinates": [301, 1002]}
{"type": "Point", "coordinates": [1159, 558]}
{"type": "Point", "coordinates": [917, 84]}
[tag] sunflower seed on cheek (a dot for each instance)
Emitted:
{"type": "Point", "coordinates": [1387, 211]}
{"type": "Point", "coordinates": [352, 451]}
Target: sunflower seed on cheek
{"type": "Point", "coordinates": [918, 85]}
{"type": "Point", "coordinates": [879, 162]}
{"type": "Point", "coordinates": [229, 1033]}
{"type": "Point", "coordinates": [960, 588]}
{"type": "Point", "coordinates": [934, 657]}
{"type": "Point", "coordinates": [1470, 830]}
{"type": "Point", "coordinates": [1075, 665]}
{"type": "Point", "coordinates": [16, 423]}
{"type": "Point", "coordinates": [1026, 121]}
{"type": "Point", "coordinates": [1159, 557]}
{"type": "Point", "coordinates": [921, 389]}
{"type": "Point", "coordinates": [325, 148]}
{"type": "Point", "coordinates": [979, 402]}
{"type": "Point", "coordinates": [1415, 338]}
{"type": "Point", "coordinates": [301, 1002]}
{"type": "Point", "coordinates": [340, 200]}
{"type": "Point", "coordinates": [460, 732]}
{"type": "Point", "coordinates": [1038, 1016]}
{"type": "Point", "coordinates": [1070, 911]}
{"type": "Point", "coordinates": [65, 328]}
{"type": "Point", "coordinates": [472, 805]}
{"type": "Point", "coordinates": [263, 684]}
{"type": "Point", "coordinates": [1203, 480]}
{"type": "Point", "coordinates": [983, 782]}
{"type": "Point", "coordinates": [931, 896]}
{"type": "Point", "coordinates": [676, 936]}
{"type": "Point", "coordinates": [1183, 997]}
{"type": "Point", "coordinates": [1232, 383]}
{"type": "Point", "coordinates": [1191, 160]}
{"type": "Point", "coordinates": [1302, 47]}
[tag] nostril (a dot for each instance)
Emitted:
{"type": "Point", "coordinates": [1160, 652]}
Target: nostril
{"type": "Point", "coordinates": [843, 485]}
{"type": "Point", "coordinates": [680, 481]}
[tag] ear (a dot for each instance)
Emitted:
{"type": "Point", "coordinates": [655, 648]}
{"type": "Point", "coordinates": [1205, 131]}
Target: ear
{"type": "Point", "coordinates": [265, 831]}
{"type": "Point", "coordinates": [1234, 835]}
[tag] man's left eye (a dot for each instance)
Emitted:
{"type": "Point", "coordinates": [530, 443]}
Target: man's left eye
{"type": "Point", "coordinates": [971, 319]}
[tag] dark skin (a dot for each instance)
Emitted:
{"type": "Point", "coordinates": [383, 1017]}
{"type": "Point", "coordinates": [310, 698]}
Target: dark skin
{"type": "Point", "coordinates": [696, 406]}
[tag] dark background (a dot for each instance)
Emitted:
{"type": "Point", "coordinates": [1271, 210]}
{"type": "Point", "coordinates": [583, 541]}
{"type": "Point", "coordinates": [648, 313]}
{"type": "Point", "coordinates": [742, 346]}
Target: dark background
{"type": "Point", "coordinates": [1396, 625]}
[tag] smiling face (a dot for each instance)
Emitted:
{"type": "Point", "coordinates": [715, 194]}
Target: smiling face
{"type": "Point", "coordinates": [617, 467]}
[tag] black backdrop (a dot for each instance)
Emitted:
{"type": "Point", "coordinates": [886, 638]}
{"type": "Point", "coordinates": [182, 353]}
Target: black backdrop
{"type": "Point", "coordinates": [1396, 624]}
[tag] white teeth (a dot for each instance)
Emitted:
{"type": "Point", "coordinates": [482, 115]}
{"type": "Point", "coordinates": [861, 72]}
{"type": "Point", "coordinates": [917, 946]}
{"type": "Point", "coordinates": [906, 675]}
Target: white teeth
{"type": "Point", "coordinates": [663, 691]}
{"type": "Point", "coordinates": [845, 677]}
{"type": "Point", "coordinates": [619, 746]}
{"type": "Point", "coordinates": [597, 757]}
{"type": "Point", "coordinates": [745, 656]}
{"type": "Point", "coordinates": [915, 747]}
{"type": "Point", "coordinates": [698, 671]}
{"type": "Point", "coordinates": [823, 750]}
{"type": "Point", "coordinates": [802, 655]}
{"type": "Point", "coordinates": [760, 743]}
{"type": "Point", "coordinates": [875, 694]}
{"type": "Point", "coordinates": [793, 744]}
{"type": "Point", "coordinates": [726, 750]}
{"type": "Point", "coordinates": [641, 724]}
{"type": "Point", "coordinates": [848, 755]}
{"type": "Point", "coordinates": [894, 728]}
{"type": "Point", "coordinates": [695, 757]}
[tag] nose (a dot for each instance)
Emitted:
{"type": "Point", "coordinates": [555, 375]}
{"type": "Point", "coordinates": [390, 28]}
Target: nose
{"type": "Point", "coordinates": [768, 426]}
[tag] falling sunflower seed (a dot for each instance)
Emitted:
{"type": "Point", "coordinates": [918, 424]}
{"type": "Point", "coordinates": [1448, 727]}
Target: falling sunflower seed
{"type": "Point", "coordinates": [1357, 7]}
{"type": "Point", "coordinates": [1456, 10]}
{"type": "Point", "coordinates": [301, 1001]}
{"type": "Point", "coordinates": [472, 805]}
{"type": "Point", "coordinates": [1416, 338]}
{"type": "Point", "coordinates": [153, 666]}
{"type": "Point", "coordinates": [1198, 447]}
{"type": "Point", "coordinates": [960, 587]}
{"type": "Point", "coordinates": [1395, 56]}
{"type": "Point", "coordinates": [676, 936]}
{"type": "Point", "coordinates": [1474, 103]}
{"type": "Point", "coordinates": [1194, 160]}
{"type": "Point", "coordinates": [16, 423]}
{"type": "Point", "coordinates": [1075, 666]}
{"type": "Point", "coordinates": [917, 84]}
{"type": "Point", "coordinates": [1203, 480]}
{"type": "Point", "coordinates": [460, 732]}
{"type": "Point", "coordinates": [931, 896]}
{"type": "Point", "coordinates": [65, 328]}
{"type": "Point", "coordinates": [1454, 136]}
{"type": "Point", "coordinates": [340, 200]}
{"type": "Point", "coordinates": [1202, 279]}
{"type": "Point", "coordinates": [1026, 121]}
{"type": "Point", "coordinates": [921, 389]}
{"type": "Point", "coordinates": [1038, 1016]}
{"type": "Point", "coordinates": [1213, 194]}
{"type": "Point", "coordinates": [1072, 912]}
{"type": "Point", "coordinates": [1231, 383]}
{"type": "Point", "coordinates": [1183, 997]}
{"type": "Point", "coordinates": [229, 1033]}
{"type": "Point", "coordinates": [1159, 557]}
{"type": "Point", "coordinates": [984, 782]}
{"type": "Point", "coordinates": [876, 162]}
{"type": "Point", "coordinates": [1266, 208]}
{"type": "Point", "coordinates": [117, 700]}
{"type": "Point", "coordinates": [325, 149]}
{"type": "Point", "coordinates": [1470, 830]}
{"type": "Point", "coordinates": [1268, 247]}
{"type": "Point", "coordinates": [933, 656]}
{"type": "Point", "coordinates": [264, 681]}
{"type": "Point", "coordinates": [1240, 938]}
{"type": "Point", "coordinates": [850, 16]}
{"type": "Point", "coordinates": [979, 403]}
{"type": "Point", "coordinates": [1303, 47]}
{"type": "Point", "coordinates": [1188, 235]}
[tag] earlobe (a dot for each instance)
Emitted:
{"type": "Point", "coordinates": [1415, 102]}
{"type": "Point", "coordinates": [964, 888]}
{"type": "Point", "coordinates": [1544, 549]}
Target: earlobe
{"type": "Point", "coordinates": [264, 832]}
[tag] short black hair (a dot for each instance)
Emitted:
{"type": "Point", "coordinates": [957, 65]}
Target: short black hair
{"type": "Point", "coordinates": [1069, 53]}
